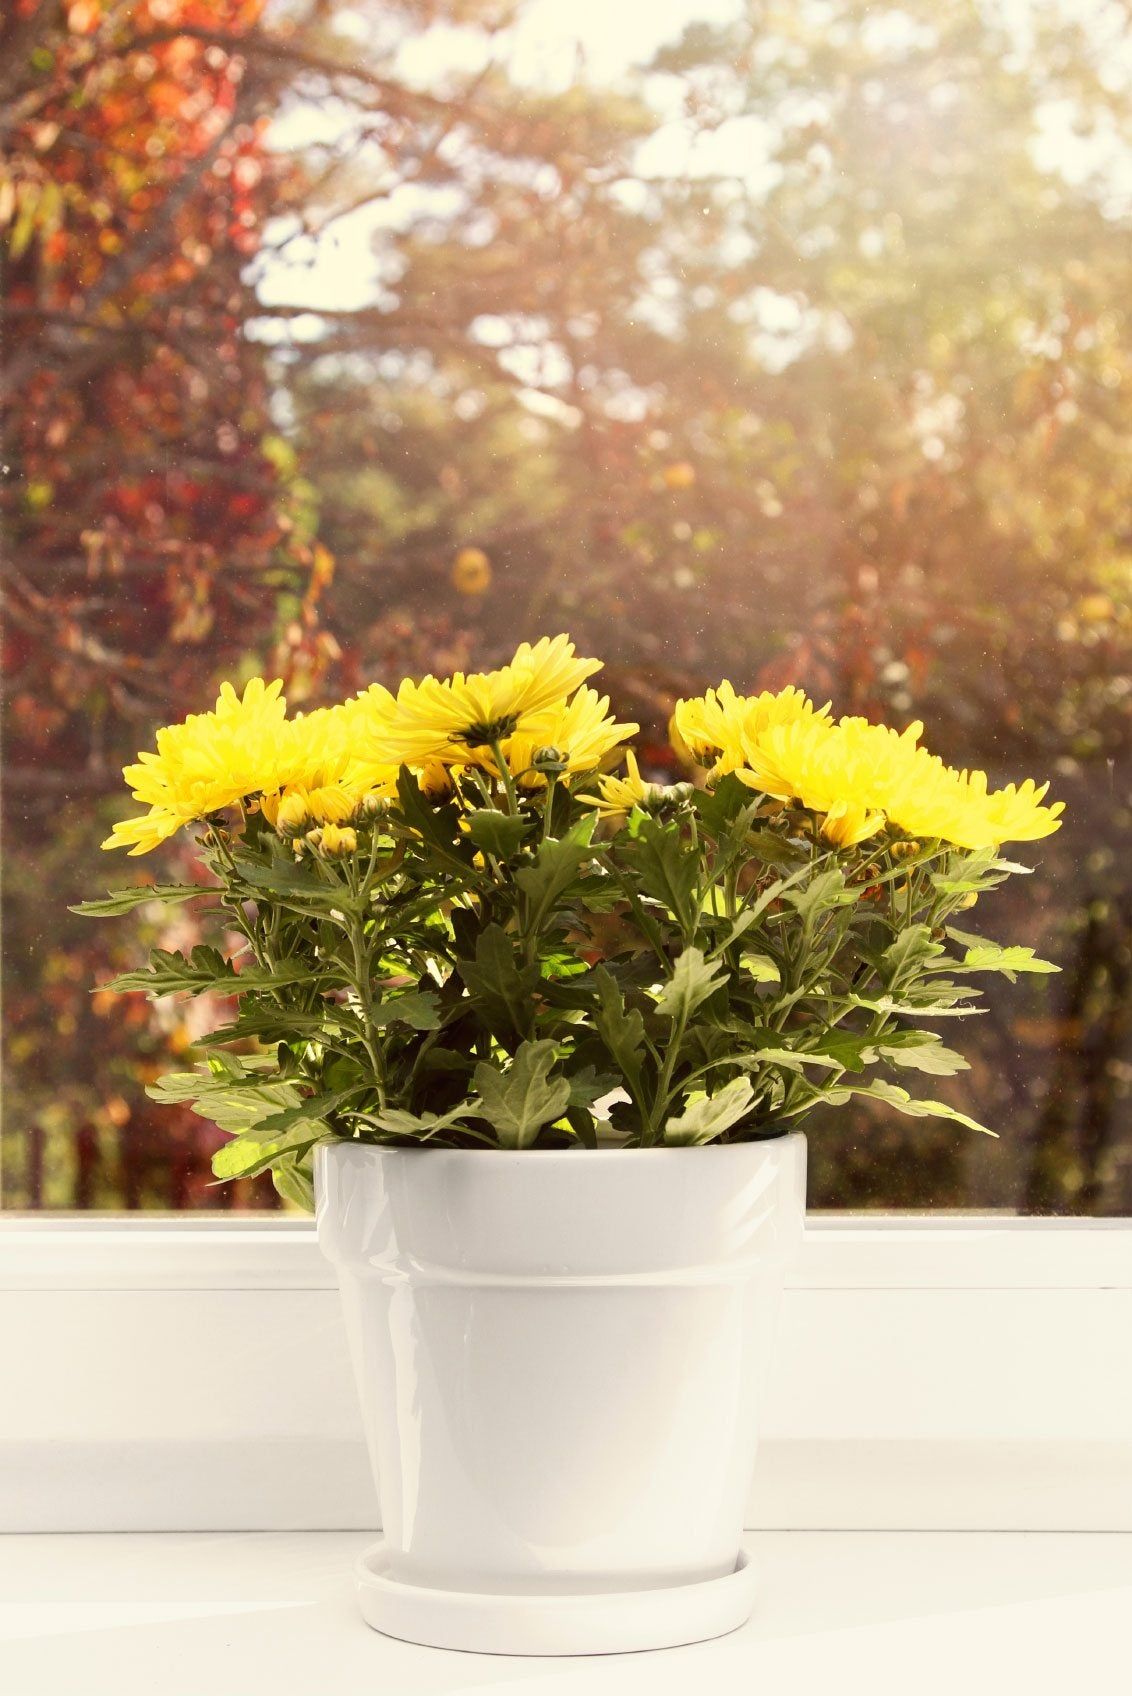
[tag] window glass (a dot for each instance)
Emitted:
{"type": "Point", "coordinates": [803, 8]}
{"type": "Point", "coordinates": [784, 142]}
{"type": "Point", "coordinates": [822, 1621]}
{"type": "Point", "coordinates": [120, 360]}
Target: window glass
{"type": "Point", "coordinates": [785, 342]}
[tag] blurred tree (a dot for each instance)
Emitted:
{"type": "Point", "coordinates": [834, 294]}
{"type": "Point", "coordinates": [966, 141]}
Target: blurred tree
{"type": "Point", "coordinates": [816, 368]}
{"type": "Point", "coordinates": [154, 527]}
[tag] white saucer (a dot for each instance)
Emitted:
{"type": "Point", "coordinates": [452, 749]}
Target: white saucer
{"type": "Point", "coordinates": [552, 1625]}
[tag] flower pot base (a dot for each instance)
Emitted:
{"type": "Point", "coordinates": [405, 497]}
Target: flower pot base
{"type": "Point", "coordinates": [552, 1625]}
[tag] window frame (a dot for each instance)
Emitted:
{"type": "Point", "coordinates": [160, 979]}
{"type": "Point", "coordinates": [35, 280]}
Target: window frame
{"type": "Point", "coordinates": [942, 1371]}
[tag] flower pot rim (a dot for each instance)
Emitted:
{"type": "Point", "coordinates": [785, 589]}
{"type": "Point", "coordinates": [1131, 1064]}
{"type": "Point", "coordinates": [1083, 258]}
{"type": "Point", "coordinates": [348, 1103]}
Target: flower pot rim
{"type": "Point", "coordinates": [549, 1154]}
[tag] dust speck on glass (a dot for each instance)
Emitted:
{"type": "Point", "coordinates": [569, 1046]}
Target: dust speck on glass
{"type": "Point", "coordinates": [788, 344]}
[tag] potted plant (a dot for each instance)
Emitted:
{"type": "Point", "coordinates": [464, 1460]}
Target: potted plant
{"type": "Point", "coordinates": [536, 1036]}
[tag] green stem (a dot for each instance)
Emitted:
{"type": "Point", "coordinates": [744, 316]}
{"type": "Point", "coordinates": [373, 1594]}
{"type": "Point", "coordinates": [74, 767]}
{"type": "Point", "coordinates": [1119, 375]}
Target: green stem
{"type": "Point", "coordinates": [506, 779]}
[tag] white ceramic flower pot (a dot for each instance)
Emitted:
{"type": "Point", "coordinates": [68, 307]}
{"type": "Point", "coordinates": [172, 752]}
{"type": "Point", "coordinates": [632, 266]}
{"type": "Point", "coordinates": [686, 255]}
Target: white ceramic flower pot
{"type": "Point", "coordinates": [561, 1358]}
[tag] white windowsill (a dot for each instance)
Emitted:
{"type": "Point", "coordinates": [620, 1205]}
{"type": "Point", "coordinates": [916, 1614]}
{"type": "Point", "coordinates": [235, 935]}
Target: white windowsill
{"type": "Point", "coordinates": [942, 1373]}
{"type": "Point", "coordinates": [840, 1251]}
{"type": "Point", "coordinates": [884, 1612]}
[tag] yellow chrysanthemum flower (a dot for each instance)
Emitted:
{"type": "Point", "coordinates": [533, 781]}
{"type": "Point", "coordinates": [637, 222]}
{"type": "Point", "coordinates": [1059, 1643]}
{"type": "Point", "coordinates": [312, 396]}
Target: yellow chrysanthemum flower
{"type": "Point", "coordinates": [958, 807]}
{"type": "Point", "coordinates": [324, 772]}
{"type": "Point", "coordinates": [579, 730]}
{"type": "Point", "coordinates": [858, 775]}
{"type": "Point", "coordinates": [208, 762]}
{"type": "Point", "coordinates": [850, 822]}
{"type": "Point", "coordinates": [719, 727]}
{"type": "Point", "coordinates": [444, 718]}
{"type": "Point", "coordinates": [617, 796]}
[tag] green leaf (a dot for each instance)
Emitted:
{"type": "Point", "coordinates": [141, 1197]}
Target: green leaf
{"type": "Point", "coordinates": [984, 956]}
{"type": "Point", "coordinates": [179, 1086]}
{"type": "Point", "coordinates": [437, 825]}
{"type": "Point", "coordinates": [922, 1051]}
{"type": "Point", "coordinates": [722, 807]}
{"type": "Point", "coordinates": [518, 1102]}
{"type": "Point", "coordinates": [910, 950]}
{"type": "Point", "coordinates": [125, 900]}
{"type": "Point", "coordinates": [691, 983]}
{"type": "Point", "coordinates": [272, 1023]}
{"type": "Point", "coordinates": [420, 1009]}
{"type": "Point", "coordinates": [237, 1108]}
{"type": "Point", "coordinates": [311, 1113]}
{"type": "Point", "coordinates": [293, 1179]}
{"type": "Point", "coordinates": [821, 893]}
{"type": "Point", "coordinates": [930, 999]}
{"type": "Point", "coordinates": [667, 867]}
{"type": "Point", "coordinates": [398, 1122]}
{"type": "Point", "coordinates": [554, 870]}
{"type": "Point", "coordinates": [171, 972]}
{"type": "Point", "coordinates": [849, 1049]}
{"type": "Point", "coordinates": [288, 877]}
{"type": "Point", "coordinates": [206, 969]}
{"type": "Point", "coordinates": [502, 991]}
{"type": "Point", "coordinates": [773, 849]}
{"type": "Point", "coordinates": [588, 1085]}
{"type": "Point", "coordinates": [899, 1098]}
{"type": "Point", "coordinates": [622, 1031]}
{"type": "Point", "coordinates": [708, 1116]}
{"type": "Point", "coordinates": [760, 967]}
{"type": "Point", "coordinates": [497, 833]}
{"type": "Point", "coordinates": [248, 1155]}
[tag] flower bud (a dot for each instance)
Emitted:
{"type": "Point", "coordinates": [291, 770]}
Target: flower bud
{"type": "Point", "coordinates": [372, 806]}
{"type": "Point", "coordinates": [292, 816]}
{"type": "Point", "coordinates": [906, 850]}
{"type": "Point", "coordinates": [551, 762]}
{"type": "Point", "coordinates": [338, 842]}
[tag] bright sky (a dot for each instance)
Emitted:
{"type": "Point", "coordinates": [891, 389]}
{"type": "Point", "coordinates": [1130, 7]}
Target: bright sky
{"type": "Point", "coordinates": [551, 44]}
{"type": "Point", "coordinates": [552, 40]}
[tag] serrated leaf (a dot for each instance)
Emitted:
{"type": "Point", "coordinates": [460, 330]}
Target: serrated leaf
{"type": "Point", "coordinates": [760, 967]}
{"type": "Point", "coordinates": [288, 877]}
{"type": "Point", "coordinates": [312, 1112]}
{"type": "Point", "coordinates": [621, 1029]}
{"type": "Point", "coordinates": [207, 970]}
{"type": "Point", "coordinates": [437, 825]}
{"type": "Point", "coordinates": [911, 949]}
{"type": "Point", "coordinates": [248, 1155]}
{"type": "Point", "coordinates": [984, 956]}
{"type": "Point", "coordinates": [915, 1108]}
{"type": "Point", "coordinates": [420, 1009]}
{"type": "Point", "coordinates": [501, 834]}
{"type": "Point", "coordinates": [519, 1102]}
{"type": "Point", "coordinates": [822, 893]}
{"type": "Point", "coordinates": [928, 1008]}
{"type": "Point", "coordinates": [501, 989]}
{"type": "Point", "coordinates": [555, 868]}
{"type": "Point", "coordinates": [588, 1085]}
{"type": "Point", "coordinates": [126, 900]}
{"type": "Point", "coordinates": [706, 1117]}
{"type": "Point", "coordinates": [170, 972]}
{"type": "Point", "coordinates": [271, 1023]}
{"type": "Point", "coordinates": [922, 1051]}
{"type": "Point", "coordinates": [667, 868]}
{"type": "Point", "coordinates": [399, 1122]}
{"type": "Point", "coordinates": [693, 980]}
{"type": "Point", "coordinates": [293, 1179]}
{"type": "Point", "coordinates": [179, 1086]}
